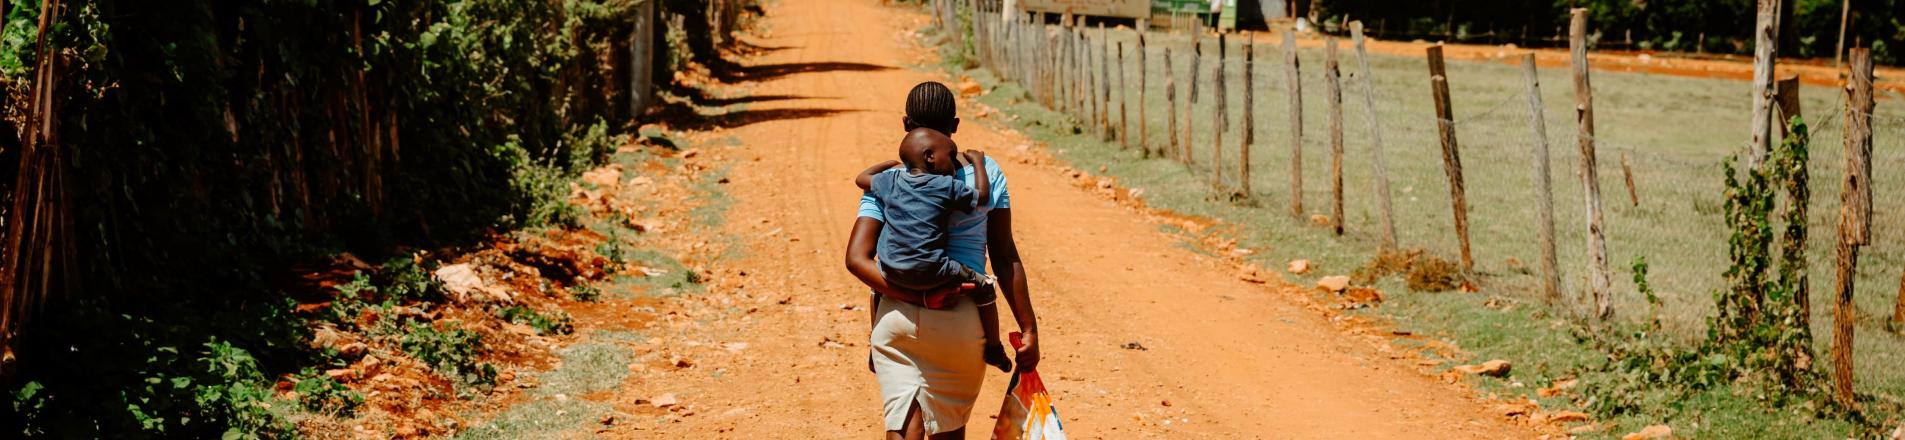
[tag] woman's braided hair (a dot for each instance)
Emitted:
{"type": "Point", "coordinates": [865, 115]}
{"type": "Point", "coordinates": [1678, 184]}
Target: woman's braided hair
{"type": "Point", "coordinates": [930, 105]}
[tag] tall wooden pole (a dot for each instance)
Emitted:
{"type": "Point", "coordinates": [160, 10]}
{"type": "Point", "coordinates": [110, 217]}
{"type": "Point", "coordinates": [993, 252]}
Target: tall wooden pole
{"type": "Point", "coordinates": [1598, 282]}
{"type": "Point", "coordinates": [1855, 210]}
{"type": "Point", "coordinates": [1219, 118]}
{"type": "Point", "coordinates": [1170, 106]}
{"type": "Point", "coordinates": [1144, 125]}
{"type": "Point", "coordinates": [1048, 75]}
{"type": "Point", "coordinates": [1451, 152]}
{"type": "Point", "coordinates": [1334, 95]}
{"type": "Point", "coordinates": [1375, 138]}
{"type": "Point", "coordinates": [1786, 96]}
{"type": "Point", "coordinates": [1765, 51]}
{"type": "Point", "coordinates": [1544, 193]}
{"type": "Point", "coordinates": [1104, 82]}
{"type": "Point", "coordinates": [1190, 118]}
{"type": "Point", "coordinates": [1124, 98]}
{"type": "Point", "coordinates": [1250, 118]}
{"type": "Point", "coordinates": [1294, 82]}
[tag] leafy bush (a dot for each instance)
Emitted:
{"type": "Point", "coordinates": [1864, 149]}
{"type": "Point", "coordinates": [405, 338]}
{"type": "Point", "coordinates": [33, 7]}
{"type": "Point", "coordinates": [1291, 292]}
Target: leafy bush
{"type": "Point", "coordinates": [545, 196]}
{"type": "Point", "coordinates": [451, 350]}
{"type": "Point", "coordinates": [559, 325]}
{"type": "Point", "coordinates": [585, 293]}
{"type": "Point", "coordinates": [405, 281]}
{"type": "Point", "coordinates": [1758, 337]}
{"type": "Point", "coordinates": [322, 394]}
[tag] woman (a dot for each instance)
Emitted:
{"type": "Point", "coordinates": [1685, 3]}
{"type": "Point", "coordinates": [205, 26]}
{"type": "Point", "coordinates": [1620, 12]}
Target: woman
{"type": "Point", "coordinates": [929, 362]}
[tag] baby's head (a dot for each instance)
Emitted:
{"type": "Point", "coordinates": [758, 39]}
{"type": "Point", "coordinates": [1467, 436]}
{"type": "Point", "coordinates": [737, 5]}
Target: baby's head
{"type": "Point", "coordinates": [928, 151]}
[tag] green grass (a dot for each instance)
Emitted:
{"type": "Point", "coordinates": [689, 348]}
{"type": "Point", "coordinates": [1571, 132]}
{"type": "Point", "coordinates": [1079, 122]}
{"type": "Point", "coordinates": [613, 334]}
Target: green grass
{"type": "Point", "coordinates": [711, 200]}
{"type": "Point", "coordinates": [555, 405]}
{"type": "Point", "coordinates": [711, 204]}
{"type": "Point", "coordinates": [1673, 131]}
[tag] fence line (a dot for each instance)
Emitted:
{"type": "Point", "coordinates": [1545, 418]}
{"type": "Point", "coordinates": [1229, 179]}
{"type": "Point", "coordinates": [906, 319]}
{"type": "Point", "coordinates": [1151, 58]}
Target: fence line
{"type": "Point", "coordinates": [1673, 180]}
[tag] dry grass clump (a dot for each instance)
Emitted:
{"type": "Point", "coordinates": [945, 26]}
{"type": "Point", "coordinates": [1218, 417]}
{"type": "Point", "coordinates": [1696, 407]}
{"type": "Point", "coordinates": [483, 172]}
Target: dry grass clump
{"type": "Point", "coordinates": [1421, 271]}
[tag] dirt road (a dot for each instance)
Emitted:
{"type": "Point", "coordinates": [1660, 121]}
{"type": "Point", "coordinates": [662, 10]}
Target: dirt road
{"type": "Point", "coordinates": [777, 347]}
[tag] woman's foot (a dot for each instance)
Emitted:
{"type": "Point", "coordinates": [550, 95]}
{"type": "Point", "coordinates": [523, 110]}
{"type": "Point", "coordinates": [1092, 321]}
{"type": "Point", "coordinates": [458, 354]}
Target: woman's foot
{"type": "Point", "coordinates": [996, 356]}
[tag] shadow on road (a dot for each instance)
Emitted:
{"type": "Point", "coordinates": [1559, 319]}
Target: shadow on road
{"type": "Point", "coordinates": [683, 116]}
{"type": "Point", "coordinates": [771, 71]}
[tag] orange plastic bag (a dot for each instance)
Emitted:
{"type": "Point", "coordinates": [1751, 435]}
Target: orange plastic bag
{"type": "Point", "coordinates": [1028, 413]}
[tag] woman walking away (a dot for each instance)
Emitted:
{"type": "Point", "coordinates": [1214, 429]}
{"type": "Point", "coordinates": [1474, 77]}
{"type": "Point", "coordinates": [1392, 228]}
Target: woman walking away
{"type": "Point", "coordinates": [929, 361]}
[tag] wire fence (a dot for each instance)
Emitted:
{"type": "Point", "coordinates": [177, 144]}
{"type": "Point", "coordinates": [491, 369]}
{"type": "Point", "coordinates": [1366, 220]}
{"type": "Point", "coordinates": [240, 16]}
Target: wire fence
{"type": "Point", "coordinates": [1659, 142]}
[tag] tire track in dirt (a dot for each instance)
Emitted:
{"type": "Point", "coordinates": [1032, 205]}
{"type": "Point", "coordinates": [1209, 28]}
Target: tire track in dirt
{"type": "Point", "coordinates": [776, 347]}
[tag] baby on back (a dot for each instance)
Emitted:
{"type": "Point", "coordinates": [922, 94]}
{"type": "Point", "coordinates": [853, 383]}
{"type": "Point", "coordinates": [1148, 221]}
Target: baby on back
{"type": "Point", "coordinates": [919, 202]}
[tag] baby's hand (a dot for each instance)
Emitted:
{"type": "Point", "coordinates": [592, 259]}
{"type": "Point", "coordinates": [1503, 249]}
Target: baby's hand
{"type": "Point", "coordinates": [975, 157]}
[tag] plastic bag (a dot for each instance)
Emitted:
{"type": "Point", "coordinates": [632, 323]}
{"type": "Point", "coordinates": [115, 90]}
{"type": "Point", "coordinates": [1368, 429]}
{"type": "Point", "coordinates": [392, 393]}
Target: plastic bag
{"type": "Point", "coordinates": [1028, 413]}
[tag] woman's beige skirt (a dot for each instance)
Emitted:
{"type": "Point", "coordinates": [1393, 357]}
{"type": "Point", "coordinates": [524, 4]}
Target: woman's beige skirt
{"type": "Point", "coordinates": [930, 357]}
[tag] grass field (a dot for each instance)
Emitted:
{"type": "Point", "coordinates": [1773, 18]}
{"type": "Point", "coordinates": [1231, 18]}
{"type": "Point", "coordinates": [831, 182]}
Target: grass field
{"type": "Point", "coordinates": [1672, 131]}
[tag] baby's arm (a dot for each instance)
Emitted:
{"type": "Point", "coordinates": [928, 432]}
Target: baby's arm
{"type": "Point", "coordinates": [982, 187]}
{"type": "Point", "coordinates": [865, 179]}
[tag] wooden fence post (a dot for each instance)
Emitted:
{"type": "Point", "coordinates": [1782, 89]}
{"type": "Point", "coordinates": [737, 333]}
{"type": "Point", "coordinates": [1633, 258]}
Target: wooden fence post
{"type": "Point", "coordinates": [1063, 65]}
{"type": "Point", "coordinates": [1765, 50]}
{"type": "Point", "coordinates": [1898, 307]}
{"type": "Point", "coordinates": [1061, 57]}
{"type": "Point", "coordinates": [1124, 99]}
{"type": "Point", "coordinates": [1170, 106]}
{"type": "Point", "coordinates": [1144, 125]}
{"type": "Point", "coordinates": [1375, 138]}
{"type": "Point", "coordinates": [1190, 118]}
{"type": "Point", "coordinates": [1104, 83]}
{"type": "Point", "coordinates": [1048, 76]}
{"type": "Point", "coordinates": [1087, 77]}
{"type": "Point", "coordinates": [1293, 79]}
{"type": "Point", "coordinates": [1855, 210]}
{"type": "Point", "coordinates": [1544, 188]}
{"type": "Point", "coordinates": [1786, 101]}
{"type": "Point", "coordinates": [1070, 57]}
{"type": "Point", "coordinates": [1451, 152]}
{"type": "Point", "coordinates": [1598, 283]}
{"type": "Point", "coordinates": [1219, 119]}
{"type": "Point", "coordinates": [1250, 118]}
{"type": "Point", "coordinates": [1334, 95]}
{"type": "Point", "coordinates": [1627, 176]}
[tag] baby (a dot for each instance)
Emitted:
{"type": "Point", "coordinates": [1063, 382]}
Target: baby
{"type": "Point", "coordinates": [912, 247]}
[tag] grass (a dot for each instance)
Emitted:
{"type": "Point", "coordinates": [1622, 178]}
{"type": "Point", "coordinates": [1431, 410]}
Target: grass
{"type": "Point", "coordinates": [556, 406]}
{"type": "Point", "coordinates": [1673, 131]}
{"type": "Point", "coordinates": [710, 204]}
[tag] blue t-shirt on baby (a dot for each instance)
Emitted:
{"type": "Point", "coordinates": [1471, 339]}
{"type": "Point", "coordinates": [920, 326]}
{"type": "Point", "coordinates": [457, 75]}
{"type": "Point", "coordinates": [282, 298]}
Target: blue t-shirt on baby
{"type": "Point", "coordinates": [966, 242]}
{"type": "Point", "coordinates": [918, 207]}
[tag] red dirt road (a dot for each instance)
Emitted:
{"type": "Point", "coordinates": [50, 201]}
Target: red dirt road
{"type": "Point", "coordinates": [777, 347]}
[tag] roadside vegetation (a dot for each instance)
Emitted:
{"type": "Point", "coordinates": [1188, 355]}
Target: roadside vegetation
{"type": "Point", "coordinates": [258, 201]}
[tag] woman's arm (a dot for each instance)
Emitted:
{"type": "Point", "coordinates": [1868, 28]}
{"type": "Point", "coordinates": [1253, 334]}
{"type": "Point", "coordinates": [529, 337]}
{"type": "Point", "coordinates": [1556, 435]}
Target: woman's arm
{"type": "Point", "coordinates": [862, 245]}
{"type": "Point", "coordinates": [1011, 272]}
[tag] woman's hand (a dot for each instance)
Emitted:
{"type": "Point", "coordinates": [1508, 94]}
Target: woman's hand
{"type": "Point", "coordinates": [1027, 356]}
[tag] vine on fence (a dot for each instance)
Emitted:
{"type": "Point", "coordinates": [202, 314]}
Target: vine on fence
{"type": "Point", "coordinates": [1759, 336]}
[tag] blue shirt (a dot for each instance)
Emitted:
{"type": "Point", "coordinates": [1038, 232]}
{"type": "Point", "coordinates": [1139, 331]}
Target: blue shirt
{"type": "Point", "coordinates": [966, 231]}
{"type": "Point", "coordinates": [913, 242]}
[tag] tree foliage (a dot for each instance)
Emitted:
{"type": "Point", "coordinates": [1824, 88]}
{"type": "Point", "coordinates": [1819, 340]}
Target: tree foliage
{"type": "Point", "coordinates": [206, 146]}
